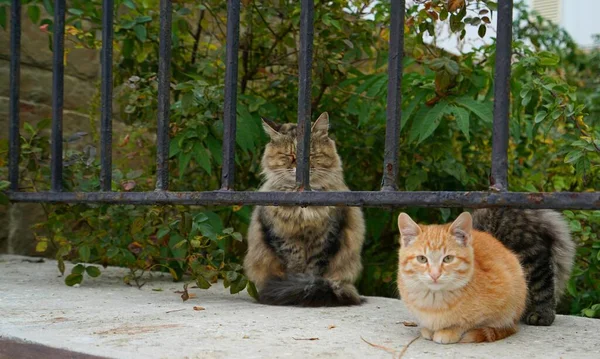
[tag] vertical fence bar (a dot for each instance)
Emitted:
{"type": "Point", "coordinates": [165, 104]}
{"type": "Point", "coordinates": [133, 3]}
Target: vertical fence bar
{"type": "Point", "coordinates": [230, 108]}
{"type": "Point", "coordinates": [164, 78]}
{"type": "Point", "coordinates": [13, 107]}
{"type": "Point", "coordinates": [394, 97]}
{"type": "Point", "coordinates": [58, 78]}
{"type": "Point", "coordinates": [107, 84]}
{"type": "Point", "coordinates": [499, 172]}
{"type": "Point", "coordinates": [304, 92]}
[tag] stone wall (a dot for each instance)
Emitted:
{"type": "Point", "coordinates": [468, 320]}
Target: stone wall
{"type": "Point", "coordinates": [81, 85]}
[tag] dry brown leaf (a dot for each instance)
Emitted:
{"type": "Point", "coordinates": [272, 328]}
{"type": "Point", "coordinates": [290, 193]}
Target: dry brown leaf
{"type": "Point", "coordinates": [455, 4]}
{"type": "Point", "coordinates": [409, 324]}
{"type": "Point", "coordinates": [196, 307]}
{"type": "Point", "coordinates": [185, 295]}
{"type": "Point", "coordinates": [305, 338]}
{"type": "Point", "coordinates": [331, 326]}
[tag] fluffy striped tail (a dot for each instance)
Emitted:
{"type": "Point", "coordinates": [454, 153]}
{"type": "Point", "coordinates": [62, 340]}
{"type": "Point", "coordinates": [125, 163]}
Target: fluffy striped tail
{"type": "Point", "coordinates": [563, 249]}
{"type": "Point", "coordinates": [308, 291]}
{"type": "Point", "coordinates": [488, 334]}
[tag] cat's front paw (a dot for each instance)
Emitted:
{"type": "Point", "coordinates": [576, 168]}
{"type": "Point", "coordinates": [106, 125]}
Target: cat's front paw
{"type": "Point", "coordinates": [447, 336]}
{"type": "Point", "coordinates": [426, 333]}
{"type": "Point", "coordinates": [540, 318]}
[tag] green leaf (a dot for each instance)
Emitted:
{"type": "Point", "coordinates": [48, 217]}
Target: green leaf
{"type": "Point", "coordinates": [251, 288]}
{"type": "Point", "coordinates": [174, 148]}
{"type": "Point", "coordinates": [202, 156]}
{"type": "Point", "coordinates": [33, 11]}
{"type": "Point", "coordinates": [238, 286]}
{"type": "Point", "coordinates": [173, 274]}
{"type": "Point", "coordinates": [143, 19]}
{"type": "Point", "coordinates": [84, 253]}
{"type": "Point", "coordinates": [163, 232]}
{"type": "Point", "coordinates": [416, 177]}
{"type": "Point", "coordinates": [73, 279]}
{"type": "Point", "coordinates": [573, 156]}
{"type": "Point", "coordinates": [548, 58]}
{"type": "Point", "coordinates": [432, 120]}
{"type": "Point", "coordinates": [540, 116]}
{"type": "Point", "coordinates": [48, 6]}
{"type": "Point", "coordinates": [3, 16]}
{"type": "Point", "coordinates": [140, 32]}
{"type": "Point", "coordinates": [201, 282]}
{"type": "Point", "coordinates": [416, 101]}
{"type": "Point", "coordinates": [214, 146]}
{"type": "Point", "coordinates": [462, 120]}
{"type": "Point", "coordinates": [207, 231]}
{"type": "Point", "coordinates": [184, 161]}
{"type": "Point", "coordinates": [4, 199]}
{"type": "Point", "coordinates": [41, 246]}
{"type": "Point", "coordinates": [482, 30]}
{"type": "Point", "coordinates": [76, 12]}
{"type": "Point", "coordinates": [129, 3]}
{"type": "Point", "coordinates": [92, 271]}
{"type": "Point", "coordinates": [61, 266]}
{"type": "Point", "coordinates": [128, 46]}
{"type": "Point", "coordinates": [112, 251]}
{"type": "Point", "coordinates": [78, 269]}
{"type": "Point", "coordinates": [237, 236]}
{"type": "Point", "coordinates": [483, 110]}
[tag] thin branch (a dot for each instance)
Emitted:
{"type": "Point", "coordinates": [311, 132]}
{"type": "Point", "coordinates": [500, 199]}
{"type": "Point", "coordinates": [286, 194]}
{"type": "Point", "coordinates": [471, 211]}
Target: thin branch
{"type": "Point", "coordinates": [197, 36]}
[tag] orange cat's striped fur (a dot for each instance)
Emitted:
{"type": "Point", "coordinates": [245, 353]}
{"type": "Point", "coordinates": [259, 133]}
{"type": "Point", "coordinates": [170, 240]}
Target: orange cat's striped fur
{"type": "Point", "coordinates": [463, 285]}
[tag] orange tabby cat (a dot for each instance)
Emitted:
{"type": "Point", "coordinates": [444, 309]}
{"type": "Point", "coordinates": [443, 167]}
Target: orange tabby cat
{"type": "Point", "coordinates": [463, 285]}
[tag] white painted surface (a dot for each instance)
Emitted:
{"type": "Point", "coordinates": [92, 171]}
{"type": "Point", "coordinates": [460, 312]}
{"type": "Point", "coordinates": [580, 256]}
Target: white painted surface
{"type": "Point", "coordinates": [105, 317]}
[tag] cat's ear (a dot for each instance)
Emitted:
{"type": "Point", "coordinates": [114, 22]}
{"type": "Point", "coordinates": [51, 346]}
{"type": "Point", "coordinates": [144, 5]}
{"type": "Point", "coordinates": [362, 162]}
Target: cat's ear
{"type": "Point", "coordinates": [462, 228]}
{"type": "Point", "coordinates": [321, 124]}
{"type": "Point", "coordinates": [409, 230]}
{"type": "Point", "coordinates": [270, 127]}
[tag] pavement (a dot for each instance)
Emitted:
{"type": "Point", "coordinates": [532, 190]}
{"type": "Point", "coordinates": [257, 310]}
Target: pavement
{"type": "Point", "coordinates": [42, 317]}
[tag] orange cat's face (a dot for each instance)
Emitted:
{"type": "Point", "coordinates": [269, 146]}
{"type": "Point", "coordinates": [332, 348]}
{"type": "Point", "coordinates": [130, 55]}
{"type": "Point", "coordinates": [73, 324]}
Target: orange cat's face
{"type": "Point", "coordinates": [436, 257]}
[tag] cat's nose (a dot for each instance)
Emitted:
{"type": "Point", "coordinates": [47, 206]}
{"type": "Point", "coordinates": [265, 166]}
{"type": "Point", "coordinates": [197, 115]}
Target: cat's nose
{"type": "Point", "coordinates": [435, 275]}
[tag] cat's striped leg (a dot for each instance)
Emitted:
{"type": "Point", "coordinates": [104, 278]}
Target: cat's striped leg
{"type": "Point", "coordinates": [261, 263]}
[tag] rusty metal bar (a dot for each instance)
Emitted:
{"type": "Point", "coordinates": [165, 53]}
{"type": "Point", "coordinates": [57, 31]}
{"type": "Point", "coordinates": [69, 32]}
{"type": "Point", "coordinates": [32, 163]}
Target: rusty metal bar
{"type": "Point", "coordinates": [499, 172]}
{"type": "Point", "coordinates": [164, 102]}
{"type": "Point", "coordinates": [558, 200]}
{"type": "Point", "coordinates": [14, 138]}
{"type": "Point", "coordinates": [394, 96]}
{"type": "Point", "coordinates": [107, 84]}
{"type": "Point", "coordinates": [230, 107]}
{"type": "Point", "coordinates": [304, 92]}
{"type": "Point", "coordinates": [58, 79]}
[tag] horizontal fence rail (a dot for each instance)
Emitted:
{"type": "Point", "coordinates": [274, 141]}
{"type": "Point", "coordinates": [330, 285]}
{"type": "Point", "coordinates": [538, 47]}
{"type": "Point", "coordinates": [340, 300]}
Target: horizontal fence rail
{"type": "Point", "coordinates": [389, 196]}
{"type": "Point", "coordinates": [558, 200]}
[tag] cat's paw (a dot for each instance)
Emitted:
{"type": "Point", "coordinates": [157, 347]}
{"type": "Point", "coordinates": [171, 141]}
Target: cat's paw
{"type": "Point", "coordinates": [540, 318]}
{"type": "Point", "coordinates": [426, 333]}
{"type": "Point", "coordinates": [447, 336]}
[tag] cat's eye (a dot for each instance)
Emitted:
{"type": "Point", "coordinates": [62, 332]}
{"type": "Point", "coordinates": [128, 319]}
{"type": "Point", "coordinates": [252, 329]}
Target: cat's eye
{"type": "Point", "coordinates": [448, 259]}
{"type": "Point", "coordinates": [421, 259]}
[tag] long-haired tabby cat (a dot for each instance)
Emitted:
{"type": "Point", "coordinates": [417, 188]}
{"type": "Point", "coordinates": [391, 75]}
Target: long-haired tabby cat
{"type": "Point", "coordinates": [304, 256]}
{"type": "Point", "coordinates": [542, 241]}
{"type": "Point", "coordinates": [463, 285]}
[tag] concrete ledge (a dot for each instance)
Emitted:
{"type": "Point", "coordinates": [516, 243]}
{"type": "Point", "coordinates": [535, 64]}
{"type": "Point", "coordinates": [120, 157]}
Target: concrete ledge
{"type": "Point", "coordinates": [104, 317]}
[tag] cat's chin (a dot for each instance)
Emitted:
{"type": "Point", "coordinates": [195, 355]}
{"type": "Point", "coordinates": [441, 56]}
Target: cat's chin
{"type": "Point", "coordinates": [436, 286]}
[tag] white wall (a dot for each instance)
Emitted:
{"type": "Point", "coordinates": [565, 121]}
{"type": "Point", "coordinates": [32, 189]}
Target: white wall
{"type": "Point", "coordinates": [580, 19]}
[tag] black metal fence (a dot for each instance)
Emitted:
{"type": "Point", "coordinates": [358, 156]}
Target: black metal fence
{"type": "Point", "coordinates": [389, 196]}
